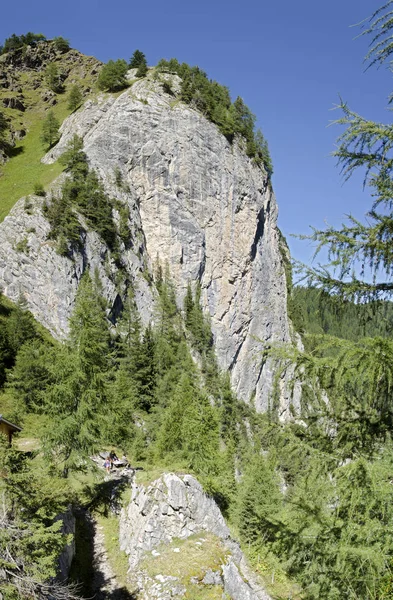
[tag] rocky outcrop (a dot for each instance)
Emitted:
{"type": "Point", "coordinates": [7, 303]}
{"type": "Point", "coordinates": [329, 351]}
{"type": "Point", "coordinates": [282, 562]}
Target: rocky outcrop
{"type": "Point", "coordinates": [158, 519]}
{"type": "Point", "coordinates": [197, 203]}
{"type": "Point", "coordinates": [172, 507]}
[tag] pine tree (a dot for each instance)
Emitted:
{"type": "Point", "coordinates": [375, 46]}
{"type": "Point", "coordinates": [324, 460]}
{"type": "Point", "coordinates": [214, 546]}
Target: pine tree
{"type": "Point", "coordinates": [145, 373]}
{"type": "Point", "coordinates": [366, 146]}
{"type": "Point", "coordinates": [126, 388]}
{"type": "Point", "coordinates": [89, 335]}
{"type": "Point", "coordinates": [260, 501]}
{"type": "Point", "coordinates": [137, 60]}
{"type": "Point", "coordinates": [142, 70]}
{"type": "Point", "coordinates": [189, 307]}
{"type": "Point", "coordinates": [50, 130]}
{"type": "Point", "coordinates": [30, 376]}
{"type": "Point", "coordinates": [75, 98]}
{"type": "Point", "coordinates": [76, 402]}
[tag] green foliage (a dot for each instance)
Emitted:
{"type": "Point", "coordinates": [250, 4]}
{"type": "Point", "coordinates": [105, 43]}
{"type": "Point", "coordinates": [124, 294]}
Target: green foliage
{"type": "Point", "coordinates": [19, 41]}
{"type": "Point", "coordinates": [137, 59]}
{"type": "Point", "coordinates": [77, 397]}
{"type": "Point", "coordinates": [30, 537]}
{"type": "Point", "coordinates": [82, 192]}
{"type": "Point", "coordinates": [4, 129]}
{"type": "Point", "coordinates": [190, 427]}
{"type": "Point", "coordinates": [75, 97]}
{"type": "Point", "coordinates": [61, 44]}
{"type": "Point", "coordinates": [39, 189]}
{"type": "Point", "coordinates": [142, 70]}
{"type": "Point", "coordinates": [17, 327]}
{"type": "Point", "coordinates": [360, 252]}
{"type": "Point", "coordinates": [22, 246]}
{"type": "Point", "coordinates": [50, 130]}
{"type": "Point", "coordinates": [336, 529]}
{"type": "Point", "coordinates": [195, 320]}
{"type": "Point", "coordinates": [213, 100]}
{"type": "Point", "coordinates": [260, 499]}
{"type": "Point", "coordinates": [53, 78]}
{"type": "Point", "coordinates": [321, 313]}
{"type": "Point", "coordinates": [112, 76]}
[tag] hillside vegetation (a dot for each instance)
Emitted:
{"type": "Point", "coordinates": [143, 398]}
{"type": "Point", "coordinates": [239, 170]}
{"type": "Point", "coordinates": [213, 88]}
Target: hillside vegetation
{"type": "Point", "coordinates": [26, 97]}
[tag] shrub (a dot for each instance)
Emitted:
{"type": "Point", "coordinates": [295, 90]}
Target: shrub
{"type": "Point", "coordinates": [39, 189]}
{"type": "Point", "coordinates": [61, 44]}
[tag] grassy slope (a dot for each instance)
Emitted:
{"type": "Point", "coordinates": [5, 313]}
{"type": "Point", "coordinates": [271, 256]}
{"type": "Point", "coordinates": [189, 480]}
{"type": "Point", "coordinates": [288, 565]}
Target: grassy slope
{"type": "Point", "coordinates": [24, 169]}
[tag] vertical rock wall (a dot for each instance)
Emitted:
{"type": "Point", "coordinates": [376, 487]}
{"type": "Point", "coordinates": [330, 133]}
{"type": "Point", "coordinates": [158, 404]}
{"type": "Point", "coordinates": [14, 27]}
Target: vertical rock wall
{"type": "Point", "coordinates": [197, 203]}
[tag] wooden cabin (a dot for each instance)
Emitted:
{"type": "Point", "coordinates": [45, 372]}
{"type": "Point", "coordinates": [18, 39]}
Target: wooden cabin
{"type": "Point", "coordinates": [8, 428]}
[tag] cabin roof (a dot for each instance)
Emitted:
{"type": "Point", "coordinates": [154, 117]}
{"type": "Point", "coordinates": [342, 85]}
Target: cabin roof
{"type": "Point", "coordinates": [10, 425]}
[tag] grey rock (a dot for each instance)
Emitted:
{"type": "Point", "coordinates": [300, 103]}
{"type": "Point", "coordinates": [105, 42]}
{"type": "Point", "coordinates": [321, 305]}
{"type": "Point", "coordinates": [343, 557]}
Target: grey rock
{"type": "Point", "coordinates": [197, 203]}
{"type": "Point", "coordinates": [212, 578]}
{"type": "Point", "coordinates": [144, 524]}
{"type": "Point", "coordinates": [142, 532]}
{"type": "Point", "coordinates": [237, 588]}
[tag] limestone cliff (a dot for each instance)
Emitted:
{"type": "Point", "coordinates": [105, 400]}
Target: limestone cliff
{"type": "Point", "coordinates": [196, 202]}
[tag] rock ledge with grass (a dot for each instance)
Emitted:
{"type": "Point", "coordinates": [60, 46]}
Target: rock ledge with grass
{"type": "Point", "coordinates": [178, 544]}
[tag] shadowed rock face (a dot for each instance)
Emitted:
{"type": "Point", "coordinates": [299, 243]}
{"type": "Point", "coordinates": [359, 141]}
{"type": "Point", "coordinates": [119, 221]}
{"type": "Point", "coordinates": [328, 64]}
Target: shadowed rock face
{"type": "Point", "coordinates": [198, 204]}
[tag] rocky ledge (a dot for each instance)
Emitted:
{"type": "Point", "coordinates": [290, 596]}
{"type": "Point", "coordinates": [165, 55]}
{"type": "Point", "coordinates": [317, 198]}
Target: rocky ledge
{"type": "Point", "coordinates": [177, 542]}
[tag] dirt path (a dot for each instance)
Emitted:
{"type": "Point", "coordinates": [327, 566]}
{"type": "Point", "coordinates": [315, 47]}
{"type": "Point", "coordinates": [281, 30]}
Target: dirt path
{"type": "Point", "coordinates": [105, 585]}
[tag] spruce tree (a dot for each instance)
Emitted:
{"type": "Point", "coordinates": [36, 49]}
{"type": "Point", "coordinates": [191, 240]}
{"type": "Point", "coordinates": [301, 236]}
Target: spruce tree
{"type": "Point", "coordinates": [31, 539]}
{"type": "Point", "coordinates": [145, 373]}
{"type": "Point", "coordinates": [76, 402]}
{"type": "Point", "coordinates": [137, 60]}
{"type": "Point", "coordinates": [142, 70]}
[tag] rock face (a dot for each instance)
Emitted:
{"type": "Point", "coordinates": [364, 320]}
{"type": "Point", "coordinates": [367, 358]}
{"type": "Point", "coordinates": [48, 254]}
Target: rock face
{"type": "Point", "coordinates": [170, 508]}
{"type": "Point", "coordinates": [197, 203]}
{"type": "Point", "coordinates": [31, 267]}
{"type": "Point", "coordinates": [157, 520]}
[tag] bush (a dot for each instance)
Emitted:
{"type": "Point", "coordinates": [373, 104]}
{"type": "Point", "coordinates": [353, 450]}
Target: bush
{"type": "Point", "coordinates": [61, 44]}
{"type": "Point", "coordinates": [39, 189]}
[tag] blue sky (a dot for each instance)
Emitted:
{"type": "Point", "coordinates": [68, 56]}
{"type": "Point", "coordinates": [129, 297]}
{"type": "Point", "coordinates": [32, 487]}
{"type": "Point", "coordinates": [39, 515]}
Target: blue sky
{"type": "Point", "coordinates": [289, 60]}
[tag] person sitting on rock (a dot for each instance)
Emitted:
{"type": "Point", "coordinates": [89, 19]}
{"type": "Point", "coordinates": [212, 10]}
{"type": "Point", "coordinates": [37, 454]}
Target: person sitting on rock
{"type": "Point", "coordinates": [112, 456]}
